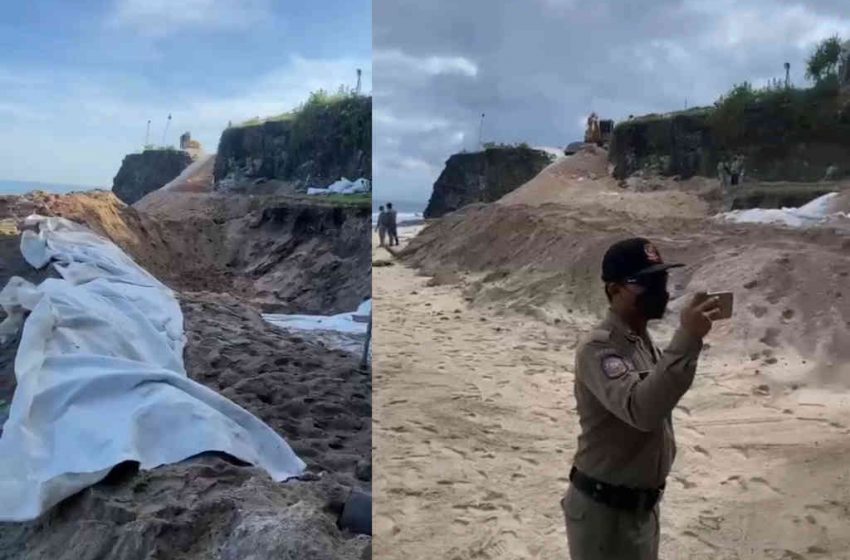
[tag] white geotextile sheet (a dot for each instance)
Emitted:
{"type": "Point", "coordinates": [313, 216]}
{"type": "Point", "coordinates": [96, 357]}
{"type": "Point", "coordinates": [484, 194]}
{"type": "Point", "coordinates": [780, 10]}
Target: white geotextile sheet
{"type": "Point", "coordinates": [343, 322]}
{"type": "Point", "coordinates": [816, 213]}
{"type": "Point", "coordinates": [101, 378]}
{"type": "Point", "coordinates": [343, 186]}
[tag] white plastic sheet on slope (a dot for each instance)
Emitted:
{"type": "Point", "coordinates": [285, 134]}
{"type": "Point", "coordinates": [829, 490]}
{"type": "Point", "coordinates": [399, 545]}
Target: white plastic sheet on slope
{"type": "Point", "coordinates": [815, 213]}
{"type": "Point", "coordinates": [343, 186]}
{"type": "Point", "coordinates": [346, 331]}
{"type": "Point", "coordinates": [342, 322]}
{"type": "Point", "coordinates": [101, 378]}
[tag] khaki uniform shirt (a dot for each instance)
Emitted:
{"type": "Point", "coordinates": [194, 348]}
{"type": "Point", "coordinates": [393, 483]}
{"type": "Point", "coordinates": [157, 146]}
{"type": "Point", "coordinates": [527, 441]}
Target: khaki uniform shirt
{"type": "Point", "coordinates": [625, 391]}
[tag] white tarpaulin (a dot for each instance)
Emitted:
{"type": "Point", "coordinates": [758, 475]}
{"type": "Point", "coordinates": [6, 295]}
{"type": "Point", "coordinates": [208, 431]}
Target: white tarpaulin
{"type": "Point", "coordinates": [344, 186]}
{"type": "Point", "coordinates": [818, 212]}
{"type": "Point", "coordinates": [343, 322]}
{"type": "Point", "coordinates": [346, 331]}
{"type": "Point", "coordinates": [101, 379]}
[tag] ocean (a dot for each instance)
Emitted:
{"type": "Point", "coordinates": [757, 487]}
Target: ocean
{"type": "Point", "coordinates": [23, 187]}
{"type": "Point", "coordinates": [407, 211]}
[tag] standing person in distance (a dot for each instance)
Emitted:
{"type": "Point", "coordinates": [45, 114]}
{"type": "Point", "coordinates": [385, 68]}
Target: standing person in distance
{"type": "Point", "coordinates": [392, 226]}
{"type": "Point", "coordinates": [381, 226]}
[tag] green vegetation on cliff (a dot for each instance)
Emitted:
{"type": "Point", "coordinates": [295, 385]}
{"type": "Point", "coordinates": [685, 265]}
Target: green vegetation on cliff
{"type": "Point", "coordinates": [328, 137]}
{"type": "Point", "coordinates": [785, 133]}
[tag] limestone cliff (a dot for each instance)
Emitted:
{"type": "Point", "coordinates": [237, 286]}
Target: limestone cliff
{"type": "Point", "coordinates": [312, 147]}
{"type": "Point", "coordinates": [483, 177]}
{"type": "Point", "coordinates": [800, 137]}
{"type": "Point", "coordinates": [146, 172]}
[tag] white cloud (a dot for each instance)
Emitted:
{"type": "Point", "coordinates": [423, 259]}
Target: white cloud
{"type": "Point", "coordinates": [95, 121]}
{"type": "Point", "coordinates": [390, 122]}
{"type": "Point", "coordinates": [431, 65]}
{"type": "Point", "coordinates": [738, 24]}
{"type": "Point", "coordinates": [158, 18]}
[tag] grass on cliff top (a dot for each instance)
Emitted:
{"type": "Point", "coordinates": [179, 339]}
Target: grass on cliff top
{"type": "Point", "coordinates": [801, 108]}
{"type": "Point", "coordinates": [327, 129]}
{"type": "Point", "coordinates": [318, 100]}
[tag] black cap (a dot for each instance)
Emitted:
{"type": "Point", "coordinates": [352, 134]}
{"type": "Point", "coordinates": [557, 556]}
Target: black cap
{"type": "Point", "coordinates": [630, 258]}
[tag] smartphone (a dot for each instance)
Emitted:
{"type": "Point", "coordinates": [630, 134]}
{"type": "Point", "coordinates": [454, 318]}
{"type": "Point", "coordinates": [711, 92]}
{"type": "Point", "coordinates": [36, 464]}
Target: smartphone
{"type": "Point", "coordinates": [724, 300]}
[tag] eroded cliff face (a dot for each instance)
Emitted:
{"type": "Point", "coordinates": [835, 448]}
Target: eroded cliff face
{"type": "Point", "coordinates": [483, 177]}
{"type": "Point", "coordinates": [148, 171]}
{"type": "Point", "coordinates": [780, 142]}
{"type": "Point", "coordinates": [334, 142]}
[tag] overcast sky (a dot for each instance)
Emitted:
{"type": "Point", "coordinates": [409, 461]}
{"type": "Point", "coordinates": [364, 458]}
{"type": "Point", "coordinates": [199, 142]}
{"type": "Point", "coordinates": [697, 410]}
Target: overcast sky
{"type": "Point", "coordinates": [79, 80]}
{"type": "Point", "coordinates": [537, 68]}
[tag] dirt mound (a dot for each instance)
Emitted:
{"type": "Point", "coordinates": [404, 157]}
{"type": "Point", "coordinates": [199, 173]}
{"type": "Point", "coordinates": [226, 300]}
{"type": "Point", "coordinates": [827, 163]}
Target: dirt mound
{"type": "Point", "coordinates": [285, 254]}
{"type": "Point", "coordinates": [206, 508]}
{"type": "Point", "coordinates": [789, 285]}
{"type": "Point", "coordinates": [582, 180]}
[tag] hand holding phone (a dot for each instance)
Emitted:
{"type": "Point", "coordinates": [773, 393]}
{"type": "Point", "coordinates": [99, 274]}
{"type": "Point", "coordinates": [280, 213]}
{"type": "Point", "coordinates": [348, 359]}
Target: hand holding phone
{"type": "Point", "coordinates": [724, 304]}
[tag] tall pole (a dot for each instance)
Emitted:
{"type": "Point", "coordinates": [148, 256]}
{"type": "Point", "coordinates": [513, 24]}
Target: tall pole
{"type": "Point", "coordinates": [147, 135]}
{"type": "Point", "coordinates": [480, 131]}
{"type": "Point", "coordinates": [787, 75]}
{"type": "Point", "coordinates": [164, 132]}
{"type": "Point", "coordinates": [357, 89]}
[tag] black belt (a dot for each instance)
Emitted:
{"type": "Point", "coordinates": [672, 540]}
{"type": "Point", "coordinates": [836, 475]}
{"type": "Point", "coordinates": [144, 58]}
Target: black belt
{"type": "Point", "coordinates": [619, 497]}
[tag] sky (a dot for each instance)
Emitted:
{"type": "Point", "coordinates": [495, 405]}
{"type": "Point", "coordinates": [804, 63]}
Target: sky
{"type": "Point", "coordinates": [79, 80]}
{"type": "Point", "coordinates": [537, 68]}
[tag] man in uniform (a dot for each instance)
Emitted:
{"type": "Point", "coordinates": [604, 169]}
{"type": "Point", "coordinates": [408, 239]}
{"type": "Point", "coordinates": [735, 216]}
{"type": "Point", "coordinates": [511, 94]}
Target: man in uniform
{"type": "Point", "coordinates": [626, 389]}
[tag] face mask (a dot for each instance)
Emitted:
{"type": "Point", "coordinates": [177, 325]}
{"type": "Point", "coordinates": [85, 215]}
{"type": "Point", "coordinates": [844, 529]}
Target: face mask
{"type": "Point", "coordinates": [653, 302]}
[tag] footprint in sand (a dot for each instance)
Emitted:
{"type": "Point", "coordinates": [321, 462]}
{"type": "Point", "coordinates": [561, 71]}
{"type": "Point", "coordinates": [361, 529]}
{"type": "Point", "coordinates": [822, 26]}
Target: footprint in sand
{"type": "Point", "coordinates": [763, 482]}
{"type": "Point", "coordinates": [701, 449]}
{"type": "Point", "coordinates": [687, 484]}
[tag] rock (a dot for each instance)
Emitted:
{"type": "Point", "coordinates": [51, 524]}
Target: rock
{"type": "Point", "coordinates": [146, 172]}
{"type": "Point", "coordinates": [483, 177]}
{"type": "Point", "coordinates": [776, 146]}
{"type": "Point", "coordinates": [276, 149]}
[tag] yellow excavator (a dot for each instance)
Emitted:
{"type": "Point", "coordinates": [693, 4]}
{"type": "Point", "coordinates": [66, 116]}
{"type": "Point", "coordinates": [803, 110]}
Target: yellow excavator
{"type": "Point", "coordinates": [598, 131]}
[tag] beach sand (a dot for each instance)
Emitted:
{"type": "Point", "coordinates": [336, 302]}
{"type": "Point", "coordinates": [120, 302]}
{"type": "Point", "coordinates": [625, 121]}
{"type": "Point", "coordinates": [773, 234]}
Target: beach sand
{"type": "Point", "coordinates": [475, 428]}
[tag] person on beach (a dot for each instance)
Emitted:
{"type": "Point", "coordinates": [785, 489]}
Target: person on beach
{"type": "Point", "coordinates": [381, 226]}
{"type": "Point", "coordinates": [392, 226]}
{"type": "Point", "coordinates": [625, 390]}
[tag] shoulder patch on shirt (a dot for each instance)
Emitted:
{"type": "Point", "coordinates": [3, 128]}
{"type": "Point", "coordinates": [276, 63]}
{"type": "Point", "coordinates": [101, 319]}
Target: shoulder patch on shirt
{"type": "Point", "coordinates": [614, 366]}
{"type": "Point", "coordinates": [600, 335]}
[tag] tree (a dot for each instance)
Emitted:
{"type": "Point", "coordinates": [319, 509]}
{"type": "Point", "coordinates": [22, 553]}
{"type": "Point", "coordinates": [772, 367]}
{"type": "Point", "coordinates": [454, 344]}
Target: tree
{"type": "Point", "coordinates": [823, 63]}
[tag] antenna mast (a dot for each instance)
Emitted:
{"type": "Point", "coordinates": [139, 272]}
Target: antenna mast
{"type": "Point", "coordinates": [164, 132]}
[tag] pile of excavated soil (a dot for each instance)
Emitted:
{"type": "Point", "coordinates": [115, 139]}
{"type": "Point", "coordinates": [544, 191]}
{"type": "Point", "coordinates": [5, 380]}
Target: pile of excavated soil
{"type": "Point", "coordinates": [286, 255]}
{"type": "Point", "coordinates": [582, 180]}
{"type": "Point", "coordinates": [545, 243]}
{"type": "Point", "coordinates": [790, 286]}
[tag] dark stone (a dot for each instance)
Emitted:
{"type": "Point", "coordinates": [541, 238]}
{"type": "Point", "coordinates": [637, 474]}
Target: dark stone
{"type": "Point", "coordinates": [274, 150]}
{"type": "Point", "coordinates": [483, 177]}
{"type": "Point", "coordinates": [148, 171]}
{"type": "Point", "coordinates": [778, 144]}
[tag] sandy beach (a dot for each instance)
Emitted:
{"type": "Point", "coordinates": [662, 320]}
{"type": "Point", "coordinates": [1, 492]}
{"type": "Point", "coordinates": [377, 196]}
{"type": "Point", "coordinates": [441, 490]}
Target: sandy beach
{"type": "Point", "coordinates": [475, 421]}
